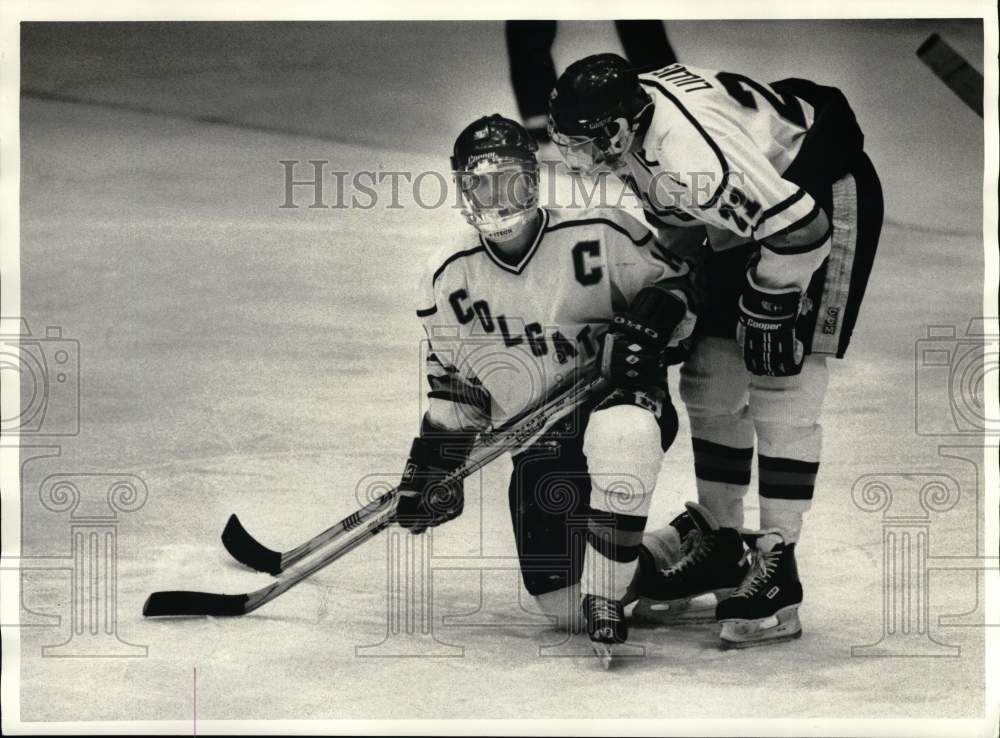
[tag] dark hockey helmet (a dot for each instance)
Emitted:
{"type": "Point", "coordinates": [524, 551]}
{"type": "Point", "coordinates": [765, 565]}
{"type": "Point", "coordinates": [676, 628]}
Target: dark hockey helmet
{"type": "Point", "coordinates": [595, 111]}
{"type": "Point", "coordinates": [492, 137]}
{"type": "Point", "coordinates": [496, 171]}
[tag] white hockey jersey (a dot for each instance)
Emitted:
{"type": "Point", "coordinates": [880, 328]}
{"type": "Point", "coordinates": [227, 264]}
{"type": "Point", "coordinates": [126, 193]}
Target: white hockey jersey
{"type": "Point", "coordinates": [713, 155]}
{"type": "Point", "coordinates": [502, 336]}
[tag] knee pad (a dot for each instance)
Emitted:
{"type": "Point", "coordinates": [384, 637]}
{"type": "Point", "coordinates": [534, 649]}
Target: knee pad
{"type": "Point", "coordinates": [623, 449]}
{"type": "Point", "coordinates": [656, 401]}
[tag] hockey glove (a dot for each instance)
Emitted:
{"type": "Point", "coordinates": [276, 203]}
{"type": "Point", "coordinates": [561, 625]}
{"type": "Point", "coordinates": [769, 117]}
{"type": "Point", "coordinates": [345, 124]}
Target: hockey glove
{"type": "Point", "coordinates": [633, 352]}
{"type": "Point", "coordinates": [766, 329]}
{"type": "Point", "coordinates": [425, 498]}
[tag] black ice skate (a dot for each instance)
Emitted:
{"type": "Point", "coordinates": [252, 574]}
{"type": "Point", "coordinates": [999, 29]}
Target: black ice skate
{"type": "Point", "coordinates": [765, 608]}
{"type": "Point", "coordinates": [647, 572]}
{"type": "Point", "coordinates": [606, 626]}
{"type": "Point", "coordinates": [712, 562]}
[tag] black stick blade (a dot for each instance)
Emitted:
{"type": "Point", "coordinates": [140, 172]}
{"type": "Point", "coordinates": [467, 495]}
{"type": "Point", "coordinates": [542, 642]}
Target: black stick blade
{"type": "Point", "coordinates": [244, 548]}
{"type": "Point", "coordinates": [164, 604]}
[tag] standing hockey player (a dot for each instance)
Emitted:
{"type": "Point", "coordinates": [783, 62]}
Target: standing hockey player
{"type": "Point", "coordinates": [533, 297]}
{"type": "Point", "coordinates": [785, 209]}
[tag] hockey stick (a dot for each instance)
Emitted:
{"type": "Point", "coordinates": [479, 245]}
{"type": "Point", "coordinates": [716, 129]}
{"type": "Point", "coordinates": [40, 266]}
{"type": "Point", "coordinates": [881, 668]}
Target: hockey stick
{"type": "Point", "coordinates": [181, 603]}
{"type": "Point", "coordinates": [246, 549]}
{"type": "Point", "coordinates": [952, 69]}
{"type": "Point", "coordinates": [375, 516]}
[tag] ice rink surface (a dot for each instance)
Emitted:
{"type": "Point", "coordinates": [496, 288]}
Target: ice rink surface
{"type": "Point", "coordinates": [237, 356]}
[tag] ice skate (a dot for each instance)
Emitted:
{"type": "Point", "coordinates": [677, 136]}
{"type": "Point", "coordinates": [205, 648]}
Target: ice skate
{"type": "Point", "coordinates": [606, 626]}
{"type": "Point", "coordinates": [764, 609]}
{"type": "Point", "coordinates": [710, 569]}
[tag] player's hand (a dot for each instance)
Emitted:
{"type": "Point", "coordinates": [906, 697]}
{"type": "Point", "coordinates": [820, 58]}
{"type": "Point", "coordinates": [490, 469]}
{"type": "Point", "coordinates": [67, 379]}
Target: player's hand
{"type": "Point", "coordinates": [678, 354]}
{"type": "Point", "coordinates": [426, 498]}
{"type": "Point", "coordinates": [631, 356]}
{"type": "Point", "coordinates": [766, 329]}
{"type": "Point", "coordinates": [633, 351]}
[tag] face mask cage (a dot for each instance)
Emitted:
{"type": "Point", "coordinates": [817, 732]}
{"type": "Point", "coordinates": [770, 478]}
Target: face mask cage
{"type": "Point", "coordinates": [499, 196]}
{"type": "Point", "coordinates": [602, 152]}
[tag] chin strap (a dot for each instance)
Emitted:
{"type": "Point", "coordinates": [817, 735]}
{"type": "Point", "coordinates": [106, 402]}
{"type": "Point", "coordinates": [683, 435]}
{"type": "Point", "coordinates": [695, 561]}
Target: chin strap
{"type": "Point", "coordinates": [516, 228]}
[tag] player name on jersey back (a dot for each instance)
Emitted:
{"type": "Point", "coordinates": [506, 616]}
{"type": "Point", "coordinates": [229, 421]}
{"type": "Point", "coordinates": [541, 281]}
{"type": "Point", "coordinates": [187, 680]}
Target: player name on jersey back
{"type": "Point", "coordinates": [715, 149]}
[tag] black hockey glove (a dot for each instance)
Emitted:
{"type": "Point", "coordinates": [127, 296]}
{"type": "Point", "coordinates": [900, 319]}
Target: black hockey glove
{"type": "Point", "coordinates": [425, 499]}
{"type": "Point", "coordinates": [633, 352]}
{"type": "Point", "coordinates": [766, 329]}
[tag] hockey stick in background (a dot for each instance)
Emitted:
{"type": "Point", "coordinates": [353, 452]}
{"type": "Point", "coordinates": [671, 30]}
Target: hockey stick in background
{"type": "Point", "coordinates": [367, 522]}
{"type": "Point", "coordinates": [952, 69]}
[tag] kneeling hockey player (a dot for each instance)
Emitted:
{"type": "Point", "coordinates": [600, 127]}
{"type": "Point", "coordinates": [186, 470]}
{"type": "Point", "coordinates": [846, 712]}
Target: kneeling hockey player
{"type": "Point", "coordinates": [532, 297]}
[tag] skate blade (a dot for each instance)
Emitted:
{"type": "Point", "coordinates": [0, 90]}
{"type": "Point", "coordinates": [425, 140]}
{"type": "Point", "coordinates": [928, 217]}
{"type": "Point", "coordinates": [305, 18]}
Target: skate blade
{"type": "Point", "coordinates": [782, 626]}
{"type": "Point", "coordinates": [604, 654]}
{"type": "Point", "coordinates": [688, 611]}
{"type": "Point", "coordinates": [610, 654]}
{"type": "Point", "coordinates": [728, 645]}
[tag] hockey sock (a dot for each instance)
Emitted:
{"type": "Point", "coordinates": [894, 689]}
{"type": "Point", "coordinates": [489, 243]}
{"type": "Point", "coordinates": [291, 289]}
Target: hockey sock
{"type": "Point", "coordinates": [786, 492]}
{"type": "Point", "coordinates": [612, 553]}
{"type": "Point", "coordinates": [723, 476]}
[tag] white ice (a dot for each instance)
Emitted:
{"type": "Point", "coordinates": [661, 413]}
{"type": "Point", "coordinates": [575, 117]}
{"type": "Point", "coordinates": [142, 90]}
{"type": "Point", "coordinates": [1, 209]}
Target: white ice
{"type": "Point", "coordinates": [242, 357]}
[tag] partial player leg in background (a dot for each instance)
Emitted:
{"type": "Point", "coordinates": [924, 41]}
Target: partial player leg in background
{"type": "Point", "coordinates": [532, 71]}
{"type": "Point", "coordinates": [645, 43]}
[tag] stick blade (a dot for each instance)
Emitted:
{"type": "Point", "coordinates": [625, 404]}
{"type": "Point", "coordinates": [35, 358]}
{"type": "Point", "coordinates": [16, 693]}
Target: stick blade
{"type": "Point", "coordinates": [245, 548]}
{"type": "Point", "coordinates": [181, 603]}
